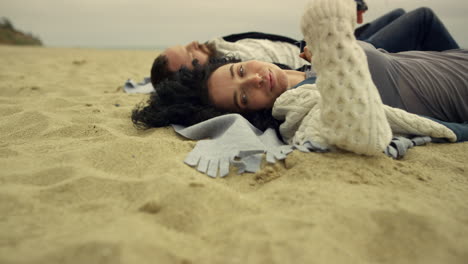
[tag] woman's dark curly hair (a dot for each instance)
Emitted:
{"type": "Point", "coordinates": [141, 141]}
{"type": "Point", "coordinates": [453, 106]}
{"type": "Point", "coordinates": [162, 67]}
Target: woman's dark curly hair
{"type": "Point", "coordinates": [183, 100]}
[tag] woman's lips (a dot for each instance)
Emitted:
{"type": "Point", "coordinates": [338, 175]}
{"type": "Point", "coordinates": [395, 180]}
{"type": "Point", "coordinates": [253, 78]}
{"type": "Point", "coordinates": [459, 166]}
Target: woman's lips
{"type": "Point", "coordinates": [272, 81]}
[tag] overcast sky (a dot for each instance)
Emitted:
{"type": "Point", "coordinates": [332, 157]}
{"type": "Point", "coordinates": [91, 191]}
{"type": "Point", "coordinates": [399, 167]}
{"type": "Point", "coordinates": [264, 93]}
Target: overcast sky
{"type": "Point", "coordinates": [159, 23]}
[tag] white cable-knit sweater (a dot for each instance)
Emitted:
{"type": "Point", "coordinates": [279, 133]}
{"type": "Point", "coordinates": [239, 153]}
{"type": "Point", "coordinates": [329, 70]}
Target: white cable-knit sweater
{"type": "Point", "coordinates": [262, 50]}
{"type": "Point", "coordinates": [343, 109]}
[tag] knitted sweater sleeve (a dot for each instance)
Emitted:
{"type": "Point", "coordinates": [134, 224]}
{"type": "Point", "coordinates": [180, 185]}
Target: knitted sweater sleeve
{"type": "Point", "coordinates": [351, 114]}
{"type": "Point", "coordinates": [300, 112]}
{"type": "Point", "coordinates": [406, 123]}
{"type": "Point", "coordinates": [293, 107]}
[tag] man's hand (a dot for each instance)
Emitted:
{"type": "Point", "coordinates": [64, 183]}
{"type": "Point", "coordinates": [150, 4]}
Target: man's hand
{"type": "Point", "coordinates": [361, 9]}
{"type": "Point", "coordinates": [306, 55]}
{"type": "Point", "coordinates": [359, 16]}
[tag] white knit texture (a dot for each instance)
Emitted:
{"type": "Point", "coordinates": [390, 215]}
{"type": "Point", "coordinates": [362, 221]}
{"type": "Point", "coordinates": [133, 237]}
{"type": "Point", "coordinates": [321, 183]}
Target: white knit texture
{"type": "Point", "coordinates": [352, 115]}
{"type": "Point", "coordinates": [293, 108]}
{"type": "Point", "coordinates": [403, 122]}
{"type": "Point", "coordinates": [262, 50]}
{"type": "Point", "coordinates": [299, 108]}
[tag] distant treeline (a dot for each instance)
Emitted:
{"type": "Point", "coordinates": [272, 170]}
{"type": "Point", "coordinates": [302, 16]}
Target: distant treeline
{"type": "Point", "coordinates": [11, 36]}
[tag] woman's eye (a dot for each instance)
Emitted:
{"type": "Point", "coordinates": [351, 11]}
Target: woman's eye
{"type": "Point", "coordinates": [241, 71]}
{"type": "Point", "coordinates": [244, 99]}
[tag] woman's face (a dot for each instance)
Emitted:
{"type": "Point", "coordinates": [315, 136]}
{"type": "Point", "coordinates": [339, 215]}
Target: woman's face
{"type": "Point", "coordinates": [246, 86]}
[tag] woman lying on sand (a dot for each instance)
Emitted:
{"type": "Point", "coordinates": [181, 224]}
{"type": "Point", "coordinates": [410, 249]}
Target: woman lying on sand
{"type": "Point", "coordinates": [361, 94]}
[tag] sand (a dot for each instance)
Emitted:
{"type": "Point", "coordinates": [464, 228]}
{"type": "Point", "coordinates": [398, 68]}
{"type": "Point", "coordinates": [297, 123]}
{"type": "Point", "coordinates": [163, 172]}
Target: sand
{"type": "Point", "coordinates": [79, 184]}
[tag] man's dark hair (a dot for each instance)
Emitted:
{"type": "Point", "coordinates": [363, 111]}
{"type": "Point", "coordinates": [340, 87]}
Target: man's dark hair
{"type": "Point", "coordinates": [183, 99]}
{"type": "Point", "coordinates": [160, 70]}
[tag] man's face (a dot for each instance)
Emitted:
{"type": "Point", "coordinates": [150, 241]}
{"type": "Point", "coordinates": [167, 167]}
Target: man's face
{"type": "Point", "coordinates": [179, 56]}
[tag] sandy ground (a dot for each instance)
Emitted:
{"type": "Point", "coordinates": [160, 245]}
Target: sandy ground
{"type": "Point", "coordinates": [79, 184]}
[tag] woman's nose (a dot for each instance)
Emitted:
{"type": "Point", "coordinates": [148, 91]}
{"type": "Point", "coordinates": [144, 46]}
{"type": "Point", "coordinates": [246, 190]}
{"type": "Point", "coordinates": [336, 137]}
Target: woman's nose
{"type": "Point", "coordinates": [254, 81]}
